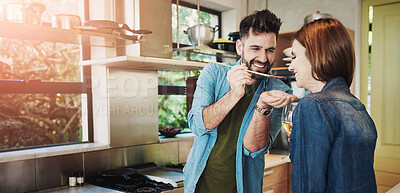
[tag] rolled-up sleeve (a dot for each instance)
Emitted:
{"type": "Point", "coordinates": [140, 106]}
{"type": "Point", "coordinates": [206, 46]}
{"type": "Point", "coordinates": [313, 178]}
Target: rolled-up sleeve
{"type": "Point", "coordinates": [204, 96]}
{"type": "Point", "coordinates": [275, 126]}
{"type": "Point", "coordinates": [255, 154]}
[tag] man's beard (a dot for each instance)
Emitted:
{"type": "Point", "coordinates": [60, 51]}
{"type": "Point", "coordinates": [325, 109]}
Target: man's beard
{"type": "Point", "coordinates": [248, 64]}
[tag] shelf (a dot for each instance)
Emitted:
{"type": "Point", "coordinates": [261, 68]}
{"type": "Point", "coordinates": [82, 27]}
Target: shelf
{"type": "Point", "coordinates": [50, 34]}
{"type": "Point", "coordinates": [206, 50]}
{"type": "Point", "coordinates": [145, 63]}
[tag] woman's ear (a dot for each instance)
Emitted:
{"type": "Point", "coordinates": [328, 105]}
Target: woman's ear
{"type": "Point", "coordinates": [239, 47]}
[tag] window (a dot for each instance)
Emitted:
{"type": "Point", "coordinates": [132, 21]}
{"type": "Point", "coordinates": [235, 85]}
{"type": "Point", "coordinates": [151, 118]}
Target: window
{"type": "Point", "coordinates": [172, 110]}
{"type": "Point", "coordinates": [44, 92]}
{"type": "Point", "coordinates": [188, 17]}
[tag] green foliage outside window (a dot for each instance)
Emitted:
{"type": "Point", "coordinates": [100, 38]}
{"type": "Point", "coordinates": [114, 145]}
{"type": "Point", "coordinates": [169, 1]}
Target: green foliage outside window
{"type": "Point", "coordinates": [28, 119]}
{"type": "Point", "coordinates": [188, 18]}
{"type": "Point", "coordinates": [172, 108]}
{"type": "Point", "coordinates": [39, 119]}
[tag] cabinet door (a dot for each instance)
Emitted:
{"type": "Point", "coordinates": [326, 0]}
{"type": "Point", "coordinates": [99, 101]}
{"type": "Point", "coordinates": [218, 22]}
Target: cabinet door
{"type": "Point", "coordinates": [274, 176]}
{"type": "Point", "coordinates": [289, 187]}
{"type": "Point", "coordinates": [277, 188]}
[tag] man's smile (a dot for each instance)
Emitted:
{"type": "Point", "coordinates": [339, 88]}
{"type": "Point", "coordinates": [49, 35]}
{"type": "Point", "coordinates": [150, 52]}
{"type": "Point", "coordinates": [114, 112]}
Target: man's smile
{"type": "Point", "coordinates": [258, 65]}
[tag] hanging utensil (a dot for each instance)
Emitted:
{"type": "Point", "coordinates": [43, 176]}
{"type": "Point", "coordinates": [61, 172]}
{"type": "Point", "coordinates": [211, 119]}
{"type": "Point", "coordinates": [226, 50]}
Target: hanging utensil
{"type": "Point", "coordinates": [112, 27]}
{"type": "Point", "coordinates": [198, 22]}
{"type": "Point", "coordinates": [315, 16]}
{"type": "Point", "coordinates": [201, 34]}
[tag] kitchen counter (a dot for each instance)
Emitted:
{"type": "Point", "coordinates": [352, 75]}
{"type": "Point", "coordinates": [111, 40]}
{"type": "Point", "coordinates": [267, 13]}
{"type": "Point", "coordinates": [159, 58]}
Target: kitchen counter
{"type": "Point", "coordinates": [89, 188]}
{"type": "Point", "coordinates": [86, 188]}
{"type": "Point", "coordinates": [272, 160]}
{"type": "Point", "coordinates": [179, 137]}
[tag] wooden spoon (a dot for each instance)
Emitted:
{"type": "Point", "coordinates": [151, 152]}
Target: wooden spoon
{"type": "Point", "coordinates": [258, 73]}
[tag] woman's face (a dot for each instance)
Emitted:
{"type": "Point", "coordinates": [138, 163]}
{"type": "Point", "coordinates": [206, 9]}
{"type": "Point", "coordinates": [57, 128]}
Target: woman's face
{"type": "Point", "coordinates": [301, 67]}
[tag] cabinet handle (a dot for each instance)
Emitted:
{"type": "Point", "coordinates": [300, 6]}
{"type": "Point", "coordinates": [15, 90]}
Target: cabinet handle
{"type": "Point", "coordinates": [269, 191]}
{"type": "Point", "coordinates": [269, 172]}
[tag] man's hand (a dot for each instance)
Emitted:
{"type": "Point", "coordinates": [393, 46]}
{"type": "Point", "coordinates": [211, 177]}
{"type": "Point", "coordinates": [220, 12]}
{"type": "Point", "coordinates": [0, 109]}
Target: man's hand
{"type": "Point", "coordinates": [238, 77]}
{"type": "Point", "coordinates": [275, 98]}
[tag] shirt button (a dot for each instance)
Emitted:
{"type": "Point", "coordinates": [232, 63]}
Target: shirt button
{"type": "Point", "coordinates": [199, 168]}
{"type": "Point", "coordinates": [193, 186]}
{"type": "Point", "coordinates": [208, 149]}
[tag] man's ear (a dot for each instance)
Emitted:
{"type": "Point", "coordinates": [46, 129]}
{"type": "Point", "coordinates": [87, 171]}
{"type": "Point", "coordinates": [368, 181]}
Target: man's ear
{"type": "Point", "coordinates": [239, 47]}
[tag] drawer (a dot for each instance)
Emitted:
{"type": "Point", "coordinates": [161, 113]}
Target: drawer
{"type": "Point", "coordinates": [275, 175]}
{"type": "Point", "coordinates": [277, 188]}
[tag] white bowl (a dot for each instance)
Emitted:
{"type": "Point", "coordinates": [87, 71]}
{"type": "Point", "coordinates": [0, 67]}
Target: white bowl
{"type": "Point", "coordinates": [287, 59]}
{"type": "Point", "coordinates": [288, 52]}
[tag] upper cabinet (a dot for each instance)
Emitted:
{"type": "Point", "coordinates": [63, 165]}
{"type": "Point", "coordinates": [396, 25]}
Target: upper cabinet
{"type": "Point", "coordinates": [155, 16]}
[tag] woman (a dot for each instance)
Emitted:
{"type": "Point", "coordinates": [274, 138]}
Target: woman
{"type": "Point", "coordinates": [333, 138]}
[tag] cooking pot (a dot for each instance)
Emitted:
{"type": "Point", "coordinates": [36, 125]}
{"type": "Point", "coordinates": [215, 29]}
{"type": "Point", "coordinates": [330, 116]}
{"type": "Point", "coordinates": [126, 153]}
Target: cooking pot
{"type": "Point", "coordinates": [315, 16]}
{"type": "Point", "coordinates": [223, 44]}
{"type": "Point", "coordinates": [206, 34]}
{"type": "Point", "coordinates": [230, 47]}
{"type": "Point", "coordinates": [234, 36]}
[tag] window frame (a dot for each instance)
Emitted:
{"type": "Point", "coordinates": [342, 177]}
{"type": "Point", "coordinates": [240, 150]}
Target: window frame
{"type": "Point", "coordinates": [37, 86]}
{"type": "Point", "coordinates": [181, 90]}
{"type": "Point", "coordinates": [204, 9]}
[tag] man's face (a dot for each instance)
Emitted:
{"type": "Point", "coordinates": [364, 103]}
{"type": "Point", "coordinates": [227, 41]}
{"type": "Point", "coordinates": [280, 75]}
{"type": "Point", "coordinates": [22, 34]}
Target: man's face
{"type": "Point", "coordinates": [257, 52]}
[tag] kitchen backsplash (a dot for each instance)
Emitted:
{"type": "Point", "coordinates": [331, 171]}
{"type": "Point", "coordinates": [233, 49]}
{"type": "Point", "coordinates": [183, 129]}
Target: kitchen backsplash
{"type": "Point", "coordinates": [43, 173]}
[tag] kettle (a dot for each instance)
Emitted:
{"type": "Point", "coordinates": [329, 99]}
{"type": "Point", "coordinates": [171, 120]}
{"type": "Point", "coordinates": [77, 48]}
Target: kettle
{"type": "Point", "coordinates": [315, 16]}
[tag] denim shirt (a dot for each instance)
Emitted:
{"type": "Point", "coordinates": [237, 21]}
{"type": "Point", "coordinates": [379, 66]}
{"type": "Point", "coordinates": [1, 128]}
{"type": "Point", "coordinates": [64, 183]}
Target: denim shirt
{"type": "Point", "coordinates": [211, 86]}
{"type": "Point", "coordinates": [332, 143]}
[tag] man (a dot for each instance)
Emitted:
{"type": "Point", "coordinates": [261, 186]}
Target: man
{"type": "Point", "coordinates": [232, 115]}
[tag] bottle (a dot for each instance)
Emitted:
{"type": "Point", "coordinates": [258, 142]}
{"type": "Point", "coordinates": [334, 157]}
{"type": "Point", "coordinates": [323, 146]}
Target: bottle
{"type": "Point", "coordinates": [80, 180]}
{"type": "Point", "coordinates": [72, 179]}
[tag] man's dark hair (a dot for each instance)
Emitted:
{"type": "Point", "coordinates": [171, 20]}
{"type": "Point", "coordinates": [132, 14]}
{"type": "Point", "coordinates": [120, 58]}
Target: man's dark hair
{"type": "Point", "coordinates": [260, 22]}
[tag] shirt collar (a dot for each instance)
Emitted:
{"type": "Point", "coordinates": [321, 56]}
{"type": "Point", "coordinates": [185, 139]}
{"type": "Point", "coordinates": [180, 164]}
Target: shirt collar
{"type": "Point", "coordinates": [335, 82]}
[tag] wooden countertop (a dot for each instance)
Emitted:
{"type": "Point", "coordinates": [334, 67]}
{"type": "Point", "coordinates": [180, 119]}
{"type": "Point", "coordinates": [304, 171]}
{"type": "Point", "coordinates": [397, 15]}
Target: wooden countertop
{"type": "Point", "coordinates": [272, 160]}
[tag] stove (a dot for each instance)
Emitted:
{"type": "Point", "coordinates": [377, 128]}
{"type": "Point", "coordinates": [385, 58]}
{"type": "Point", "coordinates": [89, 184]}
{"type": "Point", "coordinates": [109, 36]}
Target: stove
{"type": "Point", "coordinates": [136, 183]}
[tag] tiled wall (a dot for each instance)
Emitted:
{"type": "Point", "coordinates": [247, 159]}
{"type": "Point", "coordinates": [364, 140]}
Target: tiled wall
{"type": "Point", "coordinates": [43, 173]}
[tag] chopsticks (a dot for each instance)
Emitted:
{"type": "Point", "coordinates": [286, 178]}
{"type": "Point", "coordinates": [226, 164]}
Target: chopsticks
{"type": "Point", "coordinates": [258, 73]}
